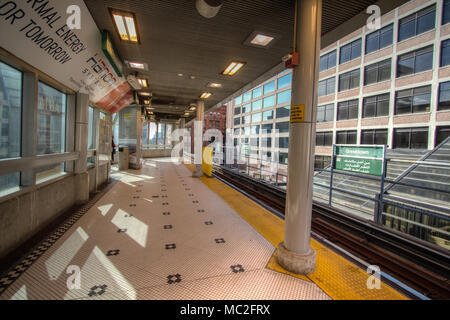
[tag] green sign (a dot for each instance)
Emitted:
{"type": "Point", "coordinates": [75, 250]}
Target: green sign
{"type": "Point", "coordinates": [367, 160]}
{"type": "Point", "coordinates": [110, 52]}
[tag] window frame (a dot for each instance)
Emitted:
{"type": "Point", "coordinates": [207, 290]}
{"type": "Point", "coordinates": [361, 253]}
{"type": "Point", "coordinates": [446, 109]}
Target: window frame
{"type": "Point", "coordinates": [379, 33]}
{"type": "Point", "coordinates": [351, 44]}
{"type": "Point", "coordinates": [414, 55]}
{"type": "Point", "coordinates": [347, 106]}
{"type": "Point", "coordinates": [414, 17]}
{"type": "Point", "coordinates": [379, 65]}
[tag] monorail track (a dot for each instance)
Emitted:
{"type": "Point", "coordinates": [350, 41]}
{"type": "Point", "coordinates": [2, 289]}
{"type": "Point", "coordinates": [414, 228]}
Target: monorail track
{"type": "Point", "coordinates": [416, 264]}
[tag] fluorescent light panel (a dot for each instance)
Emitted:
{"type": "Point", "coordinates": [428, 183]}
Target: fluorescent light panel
{"type": "Point", "coordinates": [143, 82]}
{"type": "Point", "coordinates": [261, 40]}
{"type": "Point", "coordinates": [233, 68]}
{"type": "Point", "coordinates": [215, 85]}
{"type": "Point", "coordinates": [126, 26]}
{"type": "Point", "coordinates": [137, 65]}
{"type": "Point", "coordinates": [206, 95]}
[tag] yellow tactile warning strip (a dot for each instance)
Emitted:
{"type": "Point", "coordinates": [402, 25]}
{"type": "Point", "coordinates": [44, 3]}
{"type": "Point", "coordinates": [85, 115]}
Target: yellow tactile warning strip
{"type": "Point", "coordinates": [339, 278]}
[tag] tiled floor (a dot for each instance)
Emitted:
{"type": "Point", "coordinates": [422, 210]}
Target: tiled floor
{"type": "Point", "coordinates": [160, 234]}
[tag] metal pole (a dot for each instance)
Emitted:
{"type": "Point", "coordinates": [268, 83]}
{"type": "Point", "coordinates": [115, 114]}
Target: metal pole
{"type": "Point", "coordinates": [379, 216]}
{"type": "Point", "coordinates": [331, 174]}
{"type": "Point", "coordinates": [296, 254]}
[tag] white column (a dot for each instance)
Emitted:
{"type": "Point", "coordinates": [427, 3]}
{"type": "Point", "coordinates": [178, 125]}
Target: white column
{"type": "Point", "coordinates": [198, 140]}
{"type": "Point", "coordinates": [296, 254]}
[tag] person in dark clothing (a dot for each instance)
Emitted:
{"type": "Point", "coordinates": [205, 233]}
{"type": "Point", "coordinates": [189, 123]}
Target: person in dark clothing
{"type": "Point", "coordinates": [113, 145]}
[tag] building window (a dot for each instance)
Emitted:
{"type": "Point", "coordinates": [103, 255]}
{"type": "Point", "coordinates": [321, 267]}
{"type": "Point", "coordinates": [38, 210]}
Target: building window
{"type": "Point", "coordinates": [284, 97]}
{"type": "Point", "coordinates": [282, 127]}
{"type": "Point", "coordinates": [269, 87]}
{"type": "Point", "coordinates": [411, 138]}
{"type": "Point", "coordinates": [247, 97]}
{"type": "Point", "coordinates": [379, 39]}
{"type": "Point", "coordinates": [237, 111]}
{"type": "Point", "coordinates": [285, 81]}
{"type": "Point", "coordinates": [268, 115]}
{"type": "Point", "coordinates": [413, 100]}
{"type": "Point", "coordinates": [246, 131]}
{"type": "Point", "coordinates": [283, 143]}
{"type": "Point", "coordinates": [350, 51]}
{"type": "Point", "coordinates": [283, 112]}
{"type": "Point", "coordinates": [324, 139]}
{"type": "Point", "coordinates": [237, 121]}
{"type": "Point", "coordinates": [374, 137]}
{"type": "Point", "coordinates": [376, 106]}
{"type": "Point", "coordinates": [377, 72]}
{"type": "Point", "coordinates": [257, 93]}
{"type": "Point", "coordinates": [327, 87]}
{"type": "Point", "coordinates": [255, 129]}
{"type": "Point", "coordinates": [238, 100]}
{"type": "Point", "coordinates": [237, 131]}
{"type": "Point", "coordinates": [256, 117]}
{"type": "Point", "coordinates": [246, 108]}
{"type": "Point", "coordinates": [267, 128]}
{"type": "Point", "coordinates": [445, 53]}
{"type": "Point", "coordinates": [446, 12]}
{"type": "Point", "coordinates": [328, 61]}
{"type": "Point", "coordinates": [269, 102]}
{"type": "Point", "coordinates": [444, 96]}
{"type": "Point", "coordinates": [414, 62]}
{"type": "Point", "coordinates": [349, 80]}
{"type": "Point", "coordinates": [322, 162]}
{"type": "Point", "coordinates": [346, 137]}
{"type": "Point", "coordinates": [417, 23]}
{"type": "Point", "coordinates": [325, 113]}
{"type": "Point", "coordinates": [442, 133]}
{"type": "Point", "coordinates": [256, 105]}
{"type": "Point", "coordinates": [348, 110]}
{"type": "Point", "coordinates": [266, 142]}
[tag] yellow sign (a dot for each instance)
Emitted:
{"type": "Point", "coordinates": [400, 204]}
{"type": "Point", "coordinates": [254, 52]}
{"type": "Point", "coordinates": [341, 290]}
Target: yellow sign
{"type": "Point", "coordinates": [298, 113]}
{"type": "Point", "coordinates": [207, 161]}
{"type": "Point", "coordinates": [128, 115]}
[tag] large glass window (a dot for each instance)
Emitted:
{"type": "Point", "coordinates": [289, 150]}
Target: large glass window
{"type": "Point", "coordinates": [445, 53]}
{"type": "Point", "coordinates": [350, 51]}
{"type": "Point", "coordinates": [444, 96]}
{"type": "Point", "coordinates": [283, 112]}
{"type": "Point", "coordinates": [256, 105]}
{"type": "Point", "coordinates": [348, 110]}
{"type": "Point", "coordinates": [10, 121]}
{"type": "Point", "coordinates": [346, 137]}
{"type": "Point", "coordinates": [237, 111]}
{"type": "Point", "coordinates": [237, 121]}
{"type": "Point", "coordinates": [256, 117]}
{"type": "Point", "coordinates": [268, 115]}
{"type": "Point", "coordinates": [349, 80]}
{"type": "Point", "coordinates": [246, 108]}
{"type": "Point", "coordinates": [328, 61]}
{"type": "Point", "coordinates": [417, 23]}
{"type": "Point", "coordinates": [257, 93]}
{"type": "Point", "coordinates": [285, 81]}
{"type": "Point", "coordinates": [325, 113]}
{"type": "Point", "coordinates": [247, 96]}
{"type": "Point", "coordinates": [246, 119]}
{"type": "Point", "coordinates": [442, 133]}
{"type": "Point", "coordinates": [324, 139]}
{"type": "Point", "coordinates": [269, 102]}
{"type": "Point", "coordinates": [283, 143]}
{"type": "Point", "coordinates": [321, 162]}
{"type": "Point", "coordinates": [376, 106]}
{"type": "Point", "coordinates": [377, 72]}
{"type": "Point", "coordinates": [374, 137]}
{"type": "Point", "coordinates": [411, 138]}
{"type": "Point", "coordinates": [282, 127]}
{"type": "Point", "coordinates": [379, 39]}
{"type": "Point", "coordinates": [267, 128]}
{"type": "Point", "coordinates": [284, 97]}
{"type": "Point", "coordinates": [413, 100]}
{"type": "Point", "coordinates": [269, 87]}
{"type": "Point", "coordinates": [238, 100]}
{"type": "Point", "coordinates": [283, 158]}
{"type": "Point", "coordinates": [446, 12]}
{"type": "Point", "coordinates": [414, 62]}
{"type": "Point", "coordinates": [327, 87]}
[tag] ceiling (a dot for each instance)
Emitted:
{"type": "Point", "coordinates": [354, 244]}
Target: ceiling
{"type": "Point", "coordinates": [176, 39]}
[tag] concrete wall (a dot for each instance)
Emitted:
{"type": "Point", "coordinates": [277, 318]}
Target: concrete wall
{"type": "Point", "coordinates": [91, 173]}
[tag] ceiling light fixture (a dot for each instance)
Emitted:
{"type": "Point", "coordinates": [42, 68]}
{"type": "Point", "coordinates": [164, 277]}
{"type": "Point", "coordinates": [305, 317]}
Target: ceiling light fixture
{"type": "Point", "coordinates": [125, 23]}
{"type": "Point", "coordinates": [206, 95]}
{"type": "Point", "coordinates": [233, 68]}
{"type": "Point", "coordinates": [147, 94]}
{"type": "Point", "coordinates": [262, 40]}
{"type": "Point", "coordinates": [214, 85]}
{"type": "Point", "coordinates": [180, 74]}
{"type": "Point", "coordinates": [137, 65]}
{"type": "Point", "coordinates": [143, 82]}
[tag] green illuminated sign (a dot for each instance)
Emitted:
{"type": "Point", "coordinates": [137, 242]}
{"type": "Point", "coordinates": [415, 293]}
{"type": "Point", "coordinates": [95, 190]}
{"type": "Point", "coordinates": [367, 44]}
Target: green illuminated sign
{"type": "Point", "coordinates": [367, 160]}
{"type": "Point", "coordinates": [110, 52]}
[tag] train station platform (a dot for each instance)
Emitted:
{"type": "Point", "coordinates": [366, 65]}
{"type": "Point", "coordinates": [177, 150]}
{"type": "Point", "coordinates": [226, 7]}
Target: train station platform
{"type": "Point", "coordinates": [160, 234]}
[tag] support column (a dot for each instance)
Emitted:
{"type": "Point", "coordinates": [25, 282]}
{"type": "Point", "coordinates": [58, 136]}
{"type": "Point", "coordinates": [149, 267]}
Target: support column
{"type": "Point", "coordinates": [198, 139]}
{"type": "Point", "coordinates": [81, 145]}
{"type": "Point", "coordinates": [296, 254]}
{"type": "Point", "coordinates": [183, 139]}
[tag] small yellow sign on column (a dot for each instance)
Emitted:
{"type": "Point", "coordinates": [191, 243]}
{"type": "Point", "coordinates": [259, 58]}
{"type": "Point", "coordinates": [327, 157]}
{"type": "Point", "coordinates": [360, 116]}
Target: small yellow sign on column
{"type": "Point", "coordinates": [298, 113]}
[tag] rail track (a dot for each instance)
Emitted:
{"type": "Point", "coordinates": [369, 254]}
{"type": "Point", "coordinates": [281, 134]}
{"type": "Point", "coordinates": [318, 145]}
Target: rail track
{"type": "Point", "coordinates": [414, 263]}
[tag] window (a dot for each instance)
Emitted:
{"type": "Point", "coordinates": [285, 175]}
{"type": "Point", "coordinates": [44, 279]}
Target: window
{"type": "Point", "coordinates": [445, 53]}
{"type": "Point", "coordinates": [247, 96]}
{"type": "Point", "coordinates": [256, 117]}
{"type": "Point", "coordinates": [377, 72]}
{"type": "Point", "coordinates": [283, 157]}
{"type": "Point", "coordinates": [270, 87]}
{"type": "Point", "coordinates": [414, 62]}
{"type": "Point", "coordinates": [283, 143]}
{"type": "Point", "coordinates": [379, 39]}
{"type": "Point", "coordinates": [237, 111]}
{"type": "Point", "coordinates": [284, 97]}
{"type": "Point", "coordinates": [91, 134]}
{"type": "Point", "coordinates": [321, 162]}
{"type": "Point", "coordinates": [237, 131]}
{"type": "Point", "coordinates": [257, 93]}
{"type": "Point", "coordinates": [237, 121]}
{"type": "Point", "coordinates": [417, 23]}
{"type": "Point", "coordinates": [348, 110]}
{"type": "Point", "coordinates": [325, 113]}
{"type": "Point", "coordinates": [442, 133]}
{"type": "Point", "coordinates": [349, 80]}
{"type": "Point", "coordinates": [267, 128]}
{"type": "Point", "coordinates": [324, 139]}
{"type": "Point", "coordinates": [255, 129]}
{"type": "Point", "coordinates": [10, 121]}
{"type": "Point", "coordinates": [268, 115]}
{"type": "Point", "coordinates": [256, 105]}
{"type": "Point", "coordinates": [246, 120]}
{"type": "Point", "coordinates": [350, 51]}
{"type": "Point", "coordinates": [374, 137]}
{"type": "Point", "coordinates": [444, 96]}
{"type": "Point", "coordinates": [238, 100]}
{"type": "Point", "coordinates": [327, 87]}
{"type": "Point", "coordinates": [266, 142]}
{"type": "Point", "coordinates": [413, 100]}
{"type": "Point", "coordinates": [269, 102]}
{"type": "Point", "coordinates": [283, 112]}
{"type": "Point", "coordinates": [346, 137]}
{"type": "Point", "coordinates": [285, 81]}
{"type": "Point", "coordinates": [446, 12]}
{"type": "Point", "coordinates": [282, 127]}
{"type": "Point", "coordinates": [376, 106]}
{"type": "Point", "coordinates": [327, 61]}
{"type": "Point", "coordinates": [246, 131]}
{"type": "Point", "coordinates": [411, 138]}
{"type": "Point", "coordinates": [246, 108]}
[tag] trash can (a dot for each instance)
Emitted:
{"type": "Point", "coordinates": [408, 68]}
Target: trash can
{"type": "Point", "coordinates": [124, 153]}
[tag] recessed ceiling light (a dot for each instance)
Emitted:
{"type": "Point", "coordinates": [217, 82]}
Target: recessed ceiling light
{"type": "Point", "coordinates": [214, 85]}
{"type": "Point", "coordinates": [206, 95]}
{"type": "Point", "coordinates": [193, 108]}
{"type": "Point", "coordinates": [180, 74]}
{"type": "Point", "coordinates": [147, 94]}
{"type": "Point", "coordinates": [143, 82]}
{"type": "Point", "coordinates": [137, 65]}
{"type": "Point", "coordinates": [262, 40]}
{"type": "Point", "coordinates": [125, 23]}
{"type": "Point", "coordinates": [193, 77]}
{"type": "Point", "coordinates": [233, 68]}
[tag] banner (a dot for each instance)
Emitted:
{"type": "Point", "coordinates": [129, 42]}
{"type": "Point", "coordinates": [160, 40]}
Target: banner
{"type": "Point", "coordinates": [38, 32]}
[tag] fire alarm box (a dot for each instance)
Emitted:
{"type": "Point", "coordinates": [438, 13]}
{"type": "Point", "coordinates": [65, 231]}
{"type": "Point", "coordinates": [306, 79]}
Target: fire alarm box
{"type": "Point", "coordinates": [293, 61]}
